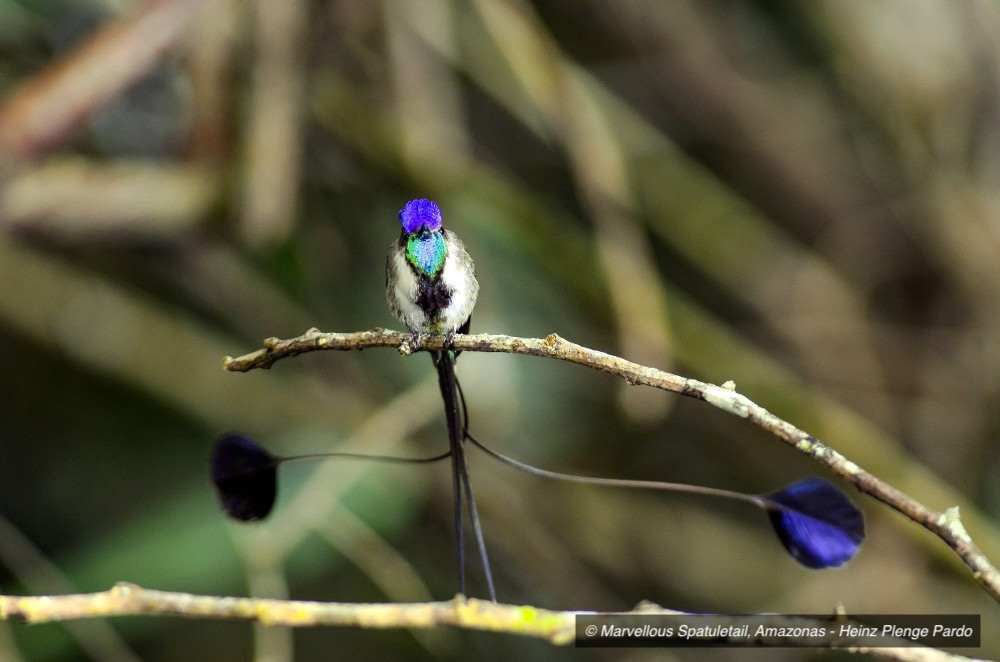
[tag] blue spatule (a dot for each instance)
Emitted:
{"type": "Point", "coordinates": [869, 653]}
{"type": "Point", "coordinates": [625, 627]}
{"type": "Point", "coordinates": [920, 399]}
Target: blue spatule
{"type": "Point", "coordinates": [816, 522]}
{"type": "Point", "coordinates": [245, 475]}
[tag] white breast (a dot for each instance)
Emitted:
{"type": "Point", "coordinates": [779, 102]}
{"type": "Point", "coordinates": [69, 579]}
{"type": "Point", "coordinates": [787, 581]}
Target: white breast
{"type": "Point", "coordinates": [402, 292]}
{"type": "Point", "coordinates": [459, 276]}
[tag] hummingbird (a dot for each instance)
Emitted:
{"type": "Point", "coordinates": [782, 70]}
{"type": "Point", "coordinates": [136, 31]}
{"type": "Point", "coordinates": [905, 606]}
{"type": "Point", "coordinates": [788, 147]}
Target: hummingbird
{"type": "Point", "coordinates": [430, 280]}
{"type": "Point", "coordinates": [431, 287]}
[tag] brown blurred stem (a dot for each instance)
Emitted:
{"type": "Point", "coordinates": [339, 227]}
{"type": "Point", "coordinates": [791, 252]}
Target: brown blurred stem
{"type": "Point", "coordinates": [947, 525]}
{"type": "Point", "coordinates": [47, 110]}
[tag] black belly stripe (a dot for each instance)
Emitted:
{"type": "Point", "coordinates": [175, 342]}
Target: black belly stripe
{"type": "Point", "coordinates": [432, 296]}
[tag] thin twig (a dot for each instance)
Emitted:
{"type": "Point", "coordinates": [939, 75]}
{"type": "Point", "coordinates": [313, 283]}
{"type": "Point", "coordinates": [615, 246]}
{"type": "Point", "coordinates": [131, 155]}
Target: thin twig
{"type": "Point", "coordinates": [126, 599]}
{"type": "Point", "coordinates": [556, 627]}
{"type": "Point", "coordinates": [947, 525]}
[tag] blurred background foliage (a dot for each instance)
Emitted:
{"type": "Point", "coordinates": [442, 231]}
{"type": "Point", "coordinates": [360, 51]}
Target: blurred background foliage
{"type": "Point", "coordinates": [800, 197]}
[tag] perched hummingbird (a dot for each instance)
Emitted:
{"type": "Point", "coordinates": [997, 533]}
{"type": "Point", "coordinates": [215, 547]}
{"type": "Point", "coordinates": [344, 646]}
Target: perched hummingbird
{"type": "Point", "coordinates": [430, 280]}
{"type": "Point", "coordinates": [431, 286]}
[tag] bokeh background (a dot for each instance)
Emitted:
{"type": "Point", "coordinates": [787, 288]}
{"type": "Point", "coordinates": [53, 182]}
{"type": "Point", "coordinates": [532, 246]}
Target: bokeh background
{"type": "Point", "coordinates": [799, 197]}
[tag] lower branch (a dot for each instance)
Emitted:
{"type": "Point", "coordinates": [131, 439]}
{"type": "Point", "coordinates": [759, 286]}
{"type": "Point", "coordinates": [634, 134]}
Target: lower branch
{"type": "Point", "coordinates": [556, 627]}
{"type": "Point", "coordinates": [947, 526]}
{"type": "Point", "coordinates": [126, 599]}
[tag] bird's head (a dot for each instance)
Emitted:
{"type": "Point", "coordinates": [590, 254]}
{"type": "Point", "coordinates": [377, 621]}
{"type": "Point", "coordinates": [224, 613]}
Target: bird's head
{"type": "Point", "coordinates": [420, 215]}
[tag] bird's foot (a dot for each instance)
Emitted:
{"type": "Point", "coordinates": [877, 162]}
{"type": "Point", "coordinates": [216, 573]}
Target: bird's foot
{"type": "Point", "coordinates": [412, 344]}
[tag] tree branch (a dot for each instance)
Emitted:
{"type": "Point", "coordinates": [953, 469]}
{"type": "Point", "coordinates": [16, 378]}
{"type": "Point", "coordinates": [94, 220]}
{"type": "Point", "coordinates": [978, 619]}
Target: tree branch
{"type": "Point", "coordinates": [556, 627]}
{"type": "Point", "coordinates": [947, 525]}
{"type": "Point", "coordinates": [126, 599]}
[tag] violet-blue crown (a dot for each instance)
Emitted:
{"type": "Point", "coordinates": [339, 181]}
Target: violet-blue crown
{"type": "Point", "coordinates": [420, 213]}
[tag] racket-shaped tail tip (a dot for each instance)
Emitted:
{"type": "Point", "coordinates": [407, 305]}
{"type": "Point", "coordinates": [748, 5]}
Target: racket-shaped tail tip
{"type": "Point", "coordinates": [245, 476]}
{"type": "Point", "coordinates": [816, 522]}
